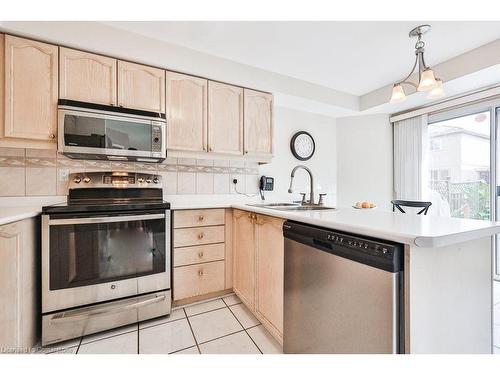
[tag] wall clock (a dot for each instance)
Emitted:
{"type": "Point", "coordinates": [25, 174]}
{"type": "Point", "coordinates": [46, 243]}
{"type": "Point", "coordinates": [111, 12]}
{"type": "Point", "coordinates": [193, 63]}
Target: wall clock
{"type": "Point", "coordinates": [302, 145]}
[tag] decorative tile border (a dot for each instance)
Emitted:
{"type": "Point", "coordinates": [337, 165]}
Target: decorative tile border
{"type": "Point", "coordinates": [182, 175]}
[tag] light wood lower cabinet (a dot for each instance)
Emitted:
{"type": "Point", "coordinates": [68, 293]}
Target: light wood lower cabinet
{"type": "Point", "coordinates": [201, 252]}
{"type": "Point", "coordinates": [31, 89]}
{"type": "Point", "coordinates": [258, 251]}
{"type": "Point", "coordinates": [244, 256]}
{"type": "Point", "coordinates": [269, 273]}
{"type": "Point", "coordinates": [19, 280]}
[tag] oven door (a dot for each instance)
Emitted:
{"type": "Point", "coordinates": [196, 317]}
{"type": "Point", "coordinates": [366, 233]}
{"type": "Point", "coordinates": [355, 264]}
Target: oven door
{"type": "Point", "coordinates": [89, 258]}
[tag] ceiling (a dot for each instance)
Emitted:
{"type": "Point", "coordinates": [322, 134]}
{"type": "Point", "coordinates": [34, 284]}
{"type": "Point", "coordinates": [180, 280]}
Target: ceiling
{"type": "Point", "coordinates": [353, 57]}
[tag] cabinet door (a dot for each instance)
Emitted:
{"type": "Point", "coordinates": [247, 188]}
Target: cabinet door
{"type": "Point", "coordinates": [19, 277]}
{"type": "Point", "coordinates": [270, 273]}
{"type": "Point", "coordinates": [258, 123]}
{"type": "Point", "coordinates": [141, 87]}
{"type": "Point", "coordinates": [225, 119]}
{"type": "Point", "coordinates": [9, 277]}
{"type": "Point", "coordinates": [244, 256]}
{"type": "Point", "coordinates": [30, 89]}
{"type": "Point", "coordinates": [87, 77]}
{"type": "Point", "coordinates": [186, 112]}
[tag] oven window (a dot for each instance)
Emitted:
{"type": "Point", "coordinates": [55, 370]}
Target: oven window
{"type": "Point", "coordinates": [96, 132]}
{"type": "Point", "coordinates": [87, 254]}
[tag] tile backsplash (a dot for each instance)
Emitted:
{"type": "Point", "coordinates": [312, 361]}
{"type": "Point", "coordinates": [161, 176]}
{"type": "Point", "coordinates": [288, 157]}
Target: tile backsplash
{"type": "Point", "coordinates": [32, 172]}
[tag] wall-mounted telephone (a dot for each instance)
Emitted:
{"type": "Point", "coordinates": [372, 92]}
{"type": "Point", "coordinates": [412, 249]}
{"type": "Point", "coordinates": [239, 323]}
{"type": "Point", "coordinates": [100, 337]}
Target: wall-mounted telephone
{"type": "Point", "coordinates": [266, 184]}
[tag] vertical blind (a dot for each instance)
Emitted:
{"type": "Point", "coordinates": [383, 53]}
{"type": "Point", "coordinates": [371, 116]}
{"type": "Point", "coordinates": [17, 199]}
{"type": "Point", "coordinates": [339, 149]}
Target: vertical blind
{"type": "Point", "coordinates": [410, 145]}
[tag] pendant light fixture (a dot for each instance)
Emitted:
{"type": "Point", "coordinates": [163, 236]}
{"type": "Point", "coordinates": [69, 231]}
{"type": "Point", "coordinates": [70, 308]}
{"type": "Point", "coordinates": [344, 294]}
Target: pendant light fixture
{"type": "Point", "coordinates": [426, 78]}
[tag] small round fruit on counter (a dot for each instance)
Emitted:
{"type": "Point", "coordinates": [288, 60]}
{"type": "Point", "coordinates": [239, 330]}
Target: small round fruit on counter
{"type": "Point", "coordinates": [364, 204]}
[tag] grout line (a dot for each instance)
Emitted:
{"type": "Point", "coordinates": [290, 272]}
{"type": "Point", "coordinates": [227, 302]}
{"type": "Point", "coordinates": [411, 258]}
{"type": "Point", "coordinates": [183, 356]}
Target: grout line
{"type": "Point", "coordinates": [221, 337]}
{"type": "Point", "coordinates": [204, 312]}
{"type": "Point", "coordinates": [138, 351]}
{"type": "Point", "coordinates": [189, 347]}
{"type": "Point", "coordinates": [244, 329]}
{"type": "Point", "coordinates": [192, 332]}
{"type": "Point", "coordinates": [159, 324]}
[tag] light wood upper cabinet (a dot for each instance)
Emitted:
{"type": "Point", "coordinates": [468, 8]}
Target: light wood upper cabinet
{"type": "Point", "coordinates": [244, 256]}
{"type": "Point", "coordinates": [270, 272]}
{"type": "Point", "coordinates": [141, 87]}
{"type": "Point", "coordinates": [30, 89]}
{"type": "Point", "coordinates": [186, 99]}
{"type": "Point", "coordinates": [87, 77]}
{"type": "Point", "coordinates": [225, 119]}
{"type": "Point", "coordinates": [258, 123]}
{"type": "Point", "coordinates": [19, 280]}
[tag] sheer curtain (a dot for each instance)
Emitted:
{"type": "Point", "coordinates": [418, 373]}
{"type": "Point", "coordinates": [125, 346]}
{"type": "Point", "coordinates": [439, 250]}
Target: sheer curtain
{"type": "Point", "coordinates": [410, 154]}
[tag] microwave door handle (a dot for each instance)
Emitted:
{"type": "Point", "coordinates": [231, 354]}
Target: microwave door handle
{"type": "Point", "coordinates": [107, 219]}
{"type": "Point", "coordinates": [118, 307]}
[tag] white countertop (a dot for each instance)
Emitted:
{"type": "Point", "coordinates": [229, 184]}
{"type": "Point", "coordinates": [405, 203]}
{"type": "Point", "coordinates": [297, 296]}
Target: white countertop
{"type": "Point", "coordinates": [18, 208]}
{"type": "Point", "coordinates": [416, 230]}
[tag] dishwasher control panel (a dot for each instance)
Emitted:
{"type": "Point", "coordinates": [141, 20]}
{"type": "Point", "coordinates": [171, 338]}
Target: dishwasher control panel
{"type": "Point", "coordinates": [369, 247]}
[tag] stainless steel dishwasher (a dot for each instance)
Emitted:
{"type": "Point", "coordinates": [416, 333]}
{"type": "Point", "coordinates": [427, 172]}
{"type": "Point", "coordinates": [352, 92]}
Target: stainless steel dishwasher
{"type": "Point", "coordinates": [343, 292]}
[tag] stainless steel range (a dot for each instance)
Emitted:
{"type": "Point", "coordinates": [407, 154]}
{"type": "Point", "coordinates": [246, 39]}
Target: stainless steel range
{"type": "Point", "coordinates": [105, 255]}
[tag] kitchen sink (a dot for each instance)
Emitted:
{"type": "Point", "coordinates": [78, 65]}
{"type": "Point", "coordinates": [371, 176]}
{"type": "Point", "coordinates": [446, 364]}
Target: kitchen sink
{"type": "Point", "coordinates": [305, 208]}
{"type": "Point", "coordinates": [291, 207]}
{"type": "Point", "coordinates": [274, 205]}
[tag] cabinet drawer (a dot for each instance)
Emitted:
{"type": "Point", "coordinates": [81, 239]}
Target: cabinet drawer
{"type": "Point", "coordinates": [198, 236]}
{"type": "Point", "coordinates": [184, 256]}
{"type": "Point", "coordinates": [198, 218]}
{"type": "Point", "coordinates": [198, 279]}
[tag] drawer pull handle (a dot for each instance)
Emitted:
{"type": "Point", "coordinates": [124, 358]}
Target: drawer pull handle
{"type": "Point", "coordinates": [200, 254]}
{"type": "Point", "coordinates": [200, 273]}
{"type": "Point", "coordinates": [200, 218]}
{"type": "Point", "coordinates": [200, 236]}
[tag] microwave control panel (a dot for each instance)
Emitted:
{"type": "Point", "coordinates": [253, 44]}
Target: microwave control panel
{"type": "Point", "coordinates": [156, 138]}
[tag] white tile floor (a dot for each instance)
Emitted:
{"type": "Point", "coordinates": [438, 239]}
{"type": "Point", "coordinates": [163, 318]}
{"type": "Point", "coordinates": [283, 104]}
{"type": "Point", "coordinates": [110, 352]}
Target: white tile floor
{"type": "Point", "coordinates": [220, 326]}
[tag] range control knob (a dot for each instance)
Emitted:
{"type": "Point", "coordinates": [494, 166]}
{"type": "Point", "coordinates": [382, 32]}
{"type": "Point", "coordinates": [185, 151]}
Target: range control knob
{"type": "Point", "coordinates": [148, 180]}
{"type": "Point", "coordinates": [384, 250]}
{"type": "Point", "coordinates": [87, 180]}
{"type": "Point", "coordinates": [140, 180]}
{"type": "Point", "coordinates": [77, 179]}
{"type": "Point", "coordinates": [155, 180]}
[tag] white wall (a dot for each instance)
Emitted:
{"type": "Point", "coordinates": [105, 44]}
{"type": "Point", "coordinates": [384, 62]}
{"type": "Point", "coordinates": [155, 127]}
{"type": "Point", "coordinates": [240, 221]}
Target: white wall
{"type": "Point", "coordinates": [364, 160]}
{"type": "Point", "coordinates": [323, 164]}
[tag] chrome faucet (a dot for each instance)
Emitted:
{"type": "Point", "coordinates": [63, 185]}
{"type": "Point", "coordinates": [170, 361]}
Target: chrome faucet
{"type": "Point", "coordinates": [292, 175]}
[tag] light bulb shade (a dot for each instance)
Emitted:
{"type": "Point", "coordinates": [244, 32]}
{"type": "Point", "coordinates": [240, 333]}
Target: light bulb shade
{"type": "Point", "coordinates": [427, 80]}
{"type": "Point", "coordinates": [438, 91]}
{"type": "Point", "coordinates": [398, 94]}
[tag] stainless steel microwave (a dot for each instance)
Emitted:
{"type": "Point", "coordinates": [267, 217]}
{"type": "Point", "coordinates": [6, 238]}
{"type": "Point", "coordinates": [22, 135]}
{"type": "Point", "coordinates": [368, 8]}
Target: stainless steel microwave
{"type": "Point", "coordinates": [94, 131]}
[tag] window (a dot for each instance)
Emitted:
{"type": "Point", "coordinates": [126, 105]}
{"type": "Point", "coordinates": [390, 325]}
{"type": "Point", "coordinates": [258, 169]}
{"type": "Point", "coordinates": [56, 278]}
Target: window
{"type": "Point", "coordinates": [459, 175]}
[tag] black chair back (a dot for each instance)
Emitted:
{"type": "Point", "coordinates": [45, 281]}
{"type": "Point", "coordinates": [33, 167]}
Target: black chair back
{"type": "Point", "coordinates": [399, 204]}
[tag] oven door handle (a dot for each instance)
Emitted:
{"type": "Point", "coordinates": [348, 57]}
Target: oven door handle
{"type": "Point", "coordinates": [105, 219]}
{"type": "Point", "coordinates": [118, 307]}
